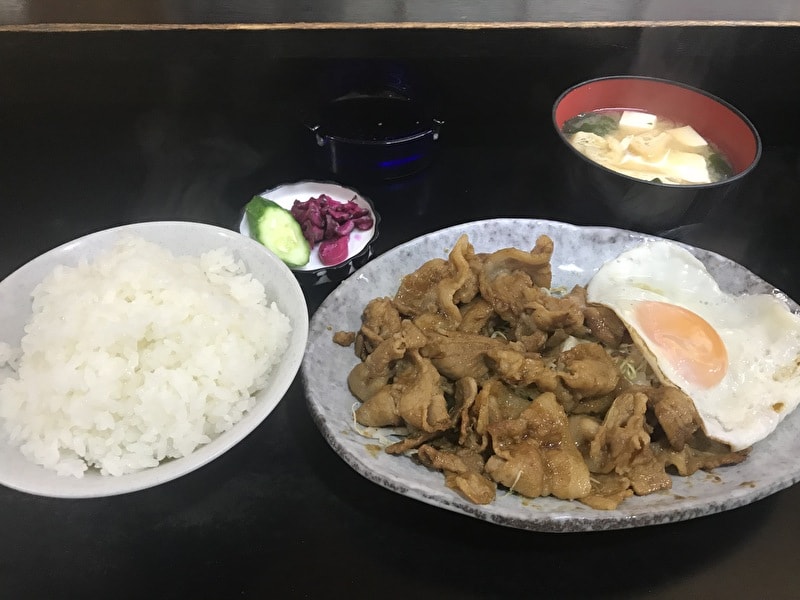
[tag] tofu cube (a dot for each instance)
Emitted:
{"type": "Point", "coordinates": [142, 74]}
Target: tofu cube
{"type": "Point", "coordinates": [688, 137]}
{"type": "Point", "coordinates": [633, 121]}
{"type": "Point", "coordinates": [687, 166]}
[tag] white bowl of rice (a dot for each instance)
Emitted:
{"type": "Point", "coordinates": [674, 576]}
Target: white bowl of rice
{"type": "Point", "coordinates": [135, 355]}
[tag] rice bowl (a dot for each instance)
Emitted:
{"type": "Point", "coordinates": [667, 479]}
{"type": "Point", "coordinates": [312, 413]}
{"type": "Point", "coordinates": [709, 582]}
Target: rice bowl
{"type": "Point", "coordinates": [226, 420]}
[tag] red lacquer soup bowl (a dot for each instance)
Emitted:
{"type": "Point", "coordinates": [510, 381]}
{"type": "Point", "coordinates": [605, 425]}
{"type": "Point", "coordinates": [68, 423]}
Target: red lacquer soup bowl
{"type": "Point", "coordinates": [651, 205]}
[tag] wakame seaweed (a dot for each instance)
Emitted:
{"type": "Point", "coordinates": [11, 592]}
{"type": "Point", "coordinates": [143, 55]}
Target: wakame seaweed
{"type": "Point", "coordinates": [590, 122]}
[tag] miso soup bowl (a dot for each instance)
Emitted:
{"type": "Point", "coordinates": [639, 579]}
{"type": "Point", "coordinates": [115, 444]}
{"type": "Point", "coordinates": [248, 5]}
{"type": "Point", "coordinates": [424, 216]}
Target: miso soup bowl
{"type": "Point", "coordinates": [652, 206]}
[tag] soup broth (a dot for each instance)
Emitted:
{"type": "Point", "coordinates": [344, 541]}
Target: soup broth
{"type": "Point", "coordinates": [647, 147]}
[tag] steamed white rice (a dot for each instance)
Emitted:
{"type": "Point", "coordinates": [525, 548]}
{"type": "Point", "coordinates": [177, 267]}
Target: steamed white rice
{"type": "Point", "coordinates": [137, 357]}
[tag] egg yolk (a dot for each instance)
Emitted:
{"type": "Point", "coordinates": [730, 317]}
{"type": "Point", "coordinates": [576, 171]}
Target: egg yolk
{"type": "Point", "coordinates": [686, 340]}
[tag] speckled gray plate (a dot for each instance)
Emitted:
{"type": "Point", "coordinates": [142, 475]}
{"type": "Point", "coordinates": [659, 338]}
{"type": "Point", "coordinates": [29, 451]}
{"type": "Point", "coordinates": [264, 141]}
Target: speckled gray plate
{"type": "Point", "coordinates": [774, 463]}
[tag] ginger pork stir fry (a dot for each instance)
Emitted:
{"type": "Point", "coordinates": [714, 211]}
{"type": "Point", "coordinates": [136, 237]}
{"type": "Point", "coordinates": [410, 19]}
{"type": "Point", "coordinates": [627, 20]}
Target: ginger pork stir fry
{"type": "Point", "coordinates": [500, 381]}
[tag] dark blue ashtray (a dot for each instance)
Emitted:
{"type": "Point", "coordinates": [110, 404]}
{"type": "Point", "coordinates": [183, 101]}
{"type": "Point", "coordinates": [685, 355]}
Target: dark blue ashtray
{"type": "Point", "coordinates": [376, 136]}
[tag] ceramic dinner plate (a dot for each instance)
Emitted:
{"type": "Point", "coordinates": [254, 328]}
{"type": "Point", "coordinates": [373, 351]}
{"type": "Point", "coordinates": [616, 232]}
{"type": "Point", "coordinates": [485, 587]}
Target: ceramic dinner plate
{"type": "Point", "coordinates": [182, 238]}
{"type": "Point", "coordinates": [579, 252]}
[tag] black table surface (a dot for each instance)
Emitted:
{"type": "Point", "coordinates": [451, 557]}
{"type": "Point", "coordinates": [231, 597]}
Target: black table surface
{"type": "Point", "coordinates": [280, 514]}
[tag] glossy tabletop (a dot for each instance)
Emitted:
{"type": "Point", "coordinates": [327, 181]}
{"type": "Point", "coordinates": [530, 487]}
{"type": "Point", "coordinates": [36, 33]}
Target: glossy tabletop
{"type": "Point", "coordinates": [281, 515]}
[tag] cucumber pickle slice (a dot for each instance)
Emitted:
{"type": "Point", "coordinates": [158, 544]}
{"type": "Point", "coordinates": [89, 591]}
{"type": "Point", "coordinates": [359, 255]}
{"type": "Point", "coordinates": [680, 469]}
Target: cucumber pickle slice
{"type": "Point", "coordinates": [278, 230]}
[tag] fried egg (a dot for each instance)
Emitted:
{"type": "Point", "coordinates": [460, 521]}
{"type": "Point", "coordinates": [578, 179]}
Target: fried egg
{"type": "Point", "coordinates": [736, 357]}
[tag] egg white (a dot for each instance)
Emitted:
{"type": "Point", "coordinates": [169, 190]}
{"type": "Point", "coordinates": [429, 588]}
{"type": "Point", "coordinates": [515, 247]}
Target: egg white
{"type": "Point", "coordinates": [761, 335]}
